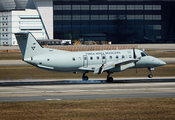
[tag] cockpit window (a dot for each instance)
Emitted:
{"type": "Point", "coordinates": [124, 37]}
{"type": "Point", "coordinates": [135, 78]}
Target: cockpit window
{"type": "Point", "coordinates": [143, 54]}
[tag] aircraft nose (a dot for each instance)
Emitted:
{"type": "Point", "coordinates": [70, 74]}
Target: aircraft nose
{"type": "Point", "coordinates": [161, 63]}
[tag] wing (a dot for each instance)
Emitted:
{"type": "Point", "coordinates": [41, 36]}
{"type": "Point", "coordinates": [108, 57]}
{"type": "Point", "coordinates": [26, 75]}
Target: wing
{"type": "Point", "coordinates": [99, 68]}
{"type": "Point", "coordinates": [122, 64]}
{"type": "Point", "coordinates": [93, 68]}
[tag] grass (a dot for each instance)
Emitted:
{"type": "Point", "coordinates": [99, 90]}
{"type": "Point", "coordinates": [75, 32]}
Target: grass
{"type": "Point", "coordinates": [31, 72]}
{"type": "Point", "coordinates": [102, 109]}
{"type": "Point", "coordinates": [159, 54]}
{"type": "Point", "coordinates": [11, 55]}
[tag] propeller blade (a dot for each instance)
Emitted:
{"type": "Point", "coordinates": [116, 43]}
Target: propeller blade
{"type": "Point", "coordinates": [134, 54]}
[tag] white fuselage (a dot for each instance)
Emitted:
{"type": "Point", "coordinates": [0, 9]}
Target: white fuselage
{"type": "Point", "coordinates": [64, 61]}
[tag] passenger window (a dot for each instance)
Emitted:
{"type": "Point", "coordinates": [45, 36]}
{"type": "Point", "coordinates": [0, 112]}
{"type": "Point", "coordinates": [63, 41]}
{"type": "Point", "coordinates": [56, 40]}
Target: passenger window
{"type": "Point", "coordinates": [123, 56]}
{"type": "Point", "coordinates": [91, 58]}
{"type": "Point", "coordinates": [117, 57]}
{"type": "Point", "coordinates": [97, 57]}
{"type": "Point", "coordinates": [110, 57]}
{"type": "Point", "coordinates": [73, 59]}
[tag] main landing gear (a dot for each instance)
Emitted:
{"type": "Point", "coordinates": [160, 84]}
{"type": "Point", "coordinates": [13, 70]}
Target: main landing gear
{"type": "Point", "coordinates": [109, 79]}
{"type": "Point", "coordinates": [150, 74]}
{"type": "Point", "coordinates": [85, 78]}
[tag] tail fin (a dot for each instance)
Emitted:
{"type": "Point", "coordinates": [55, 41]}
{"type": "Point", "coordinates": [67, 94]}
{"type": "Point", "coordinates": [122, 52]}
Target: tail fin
{"type": "Point", "coordinates": [28, 45]}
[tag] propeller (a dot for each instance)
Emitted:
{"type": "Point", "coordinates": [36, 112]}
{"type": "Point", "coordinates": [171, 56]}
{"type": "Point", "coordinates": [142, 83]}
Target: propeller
{"type": "Point", "coordinates": [134, 56]}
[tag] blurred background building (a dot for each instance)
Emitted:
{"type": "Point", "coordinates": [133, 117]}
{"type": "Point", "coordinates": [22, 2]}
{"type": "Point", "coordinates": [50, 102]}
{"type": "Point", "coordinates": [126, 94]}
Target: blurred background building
{"type": "Point", "coordinates": [19, 16]}
{"type": "Point", "coordinates": [119, 21]}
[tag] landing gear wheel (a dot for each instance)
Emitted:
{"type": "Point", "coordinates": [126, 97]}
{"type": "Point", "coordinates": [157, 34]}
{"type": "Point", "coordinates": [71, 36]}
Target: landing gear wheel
{"type": "Point", "coordinates": [109, 79]}
{"type": "Point", "coordinates": [85, 78]}
{"type": "Point", "coordinates": [150, 75]}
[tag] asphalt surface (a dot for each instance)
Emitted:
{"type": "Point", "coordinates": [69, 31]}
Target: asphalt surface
{"type": "Point", "coordinates": [92, 89]}
{"type": "Point", "coordinates": [12, 62]}
{"type": "Point", "coordinates": [83, 97]}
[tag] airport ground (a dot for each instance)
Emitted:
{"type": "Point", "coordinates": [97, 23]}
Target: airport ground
{"type": "Point", "coordinates": [82, 101]}
{"type": "Point", "coordinates": [136, 98]}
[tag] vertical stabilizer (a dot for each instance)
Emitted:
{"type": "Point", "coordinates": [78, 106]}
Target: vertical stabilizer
{"type": "Point", "coordinates": [28, 45]}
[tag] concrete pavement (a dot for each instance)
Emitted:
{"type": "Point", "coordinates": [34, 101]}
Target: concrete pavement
{"type": "Point", "coordinates": [86, 91]}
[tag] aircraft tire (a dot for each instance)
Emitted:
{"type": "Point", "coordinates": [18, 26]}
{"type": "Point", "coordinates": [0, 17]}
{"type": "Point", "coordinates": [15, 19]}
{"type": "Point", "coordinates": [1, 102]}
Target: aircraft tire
{"type": "Point", "coordinates": [150, 75]}
{"type": "Point", "coordinates": [85, 78]}
{"type": "Point", "coordinates": [110, 79]}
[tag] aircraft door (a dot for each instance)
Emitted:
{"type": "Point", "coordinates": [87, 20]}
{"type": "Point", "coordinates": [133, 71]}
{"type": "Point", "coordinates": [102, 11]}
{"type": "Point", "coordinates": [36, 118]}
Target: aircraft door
{"type": "Point", "coordinates": [103, 58]}
{"type": "Point", "coordinates": [85, 61]}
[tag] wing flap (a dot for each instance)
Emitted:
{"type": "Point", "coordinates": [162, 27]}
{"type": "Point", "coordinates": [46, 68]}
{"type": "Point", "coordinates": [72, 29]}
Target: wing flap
{"type": "Point", "coordinates": [93, 68]}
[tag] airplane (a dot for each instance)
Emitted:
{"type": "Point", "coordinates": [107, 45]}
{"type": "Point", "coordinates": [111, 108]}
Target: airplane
{"type": "Point", "coordinates": [108, 61]}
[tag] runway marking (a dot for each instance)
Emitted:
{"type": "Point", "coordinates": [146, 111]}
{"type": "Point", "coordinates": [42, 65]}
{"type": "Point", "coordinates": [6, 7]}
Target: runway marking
{"type": "Point", "coordinates": [53, 99]}
{"type": "Point", "coordinates": [76, 91]}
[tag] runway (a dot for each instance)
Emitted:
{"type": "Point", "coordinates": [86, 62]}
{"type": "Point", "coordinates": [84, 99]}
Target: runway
{"type": "Point", "coordinates": [89, 90]}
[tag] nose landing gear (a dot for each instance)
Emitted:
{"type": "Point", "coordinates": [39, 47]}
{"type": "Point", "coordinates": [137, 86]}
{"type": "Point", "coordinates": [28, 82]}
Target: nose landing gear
{"type": "Point", "coordinates": [150, 75]}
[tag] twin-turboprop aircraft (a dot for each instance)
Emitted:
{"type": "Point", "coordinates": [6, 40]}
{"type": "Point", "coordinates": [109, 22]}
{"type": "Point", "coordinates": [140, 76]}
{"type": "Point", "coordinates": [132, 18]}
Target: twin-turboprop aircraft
{"type": "Point", "coordinates": [108, 61]}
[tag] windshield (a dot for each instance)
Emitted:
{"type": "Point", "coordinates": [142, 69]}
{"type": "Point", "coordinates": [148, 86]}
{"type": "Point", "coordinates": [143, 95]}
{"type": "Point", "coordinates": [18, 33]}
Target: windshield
{"type": "Point", "coordinates": [143, 54]}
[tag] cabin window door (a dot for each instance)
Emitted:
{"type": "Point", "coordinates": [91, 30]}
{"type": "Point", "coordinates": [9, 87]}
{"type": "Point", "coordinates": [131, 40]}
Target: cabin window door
{"type": "Point", "coordinates": [85, 61]}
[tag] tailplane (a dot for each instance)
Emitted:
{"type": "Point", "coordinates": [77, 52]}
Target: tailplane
{"type": "Point", "coordinates": [28, 45]}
